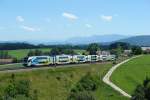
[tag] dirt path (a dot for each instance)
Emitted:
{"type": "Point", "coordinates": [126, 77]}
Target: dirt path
{"type": "Point", "coordinates": [106, 78]}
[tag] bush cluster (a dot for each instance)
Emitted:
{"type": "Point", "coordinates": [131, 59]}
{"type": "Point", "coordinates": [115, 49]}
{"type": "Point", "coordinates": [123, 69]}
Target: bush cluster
{"type": "Point", "coordinates": [19, 90]}
{"type": "Point", "coordinates": [84, 88]}
{"type": "Point", "coordinates": [142, 91]}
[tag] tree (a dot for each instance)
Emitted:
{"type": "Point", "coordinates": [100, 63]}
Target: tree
{"type": "Point", "coordinates": [121, 44]}
{"type": "Point", "coordinates": [55, 51]}
{"type": "Point", "coordinates": [119, 50]}
{"type": "Point", "coordinates": [68, 51]}
{"type": "Point", "coordinates": [38, 52]}
{"type": "Point", "coordinates": [93, 48]}
{"type": "Point", "coordinates": [4, 54]}
{"type": "Point", "coordinates": [30, 53]}
{"type": "Point", "coordinates": [142, 91]}
{"type": "Point", "coordinates": [136, 50]}
{"type": "Point", "coordinates": [35, 53]}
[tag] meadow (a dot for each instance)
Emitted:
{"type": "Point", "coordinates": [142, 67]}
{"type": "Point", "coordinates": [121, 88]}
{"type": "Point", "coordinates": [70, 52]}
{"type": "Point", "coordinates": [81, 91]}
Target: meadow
{"type": "Point", "coordinates": [56, 83]}
{"type": "Point", "coordinates": [132, 73]}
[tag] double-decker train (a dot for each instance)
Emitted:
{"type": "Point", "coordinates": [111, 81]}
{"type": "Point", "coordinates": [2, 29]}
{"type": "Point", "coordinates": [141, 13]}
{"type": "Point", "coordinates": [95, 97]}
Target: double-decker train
{"type": "Point", "coordinates": [65, 59]}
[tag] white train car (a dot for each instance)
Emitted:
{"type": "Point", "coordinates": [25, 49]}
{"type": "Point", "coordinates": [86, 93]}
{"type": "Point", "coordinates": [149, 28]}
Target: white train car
{"type": "Point", "coordinates": [111, 58]}
{"type": "Point", "coordinates": [100, 58]}
{"type": "Point", "coordinates": [63, 59]}
{"type": "Point", "coordinates": [108, 57]}
{"type": "Point", "coordinates": [92, 58]}
{"type": "Point", "coordinates": [103, 57]}
{"type": "Point", "coordinates": [79, 59]}
{"type": "Point", "coordinates": [37, 61]}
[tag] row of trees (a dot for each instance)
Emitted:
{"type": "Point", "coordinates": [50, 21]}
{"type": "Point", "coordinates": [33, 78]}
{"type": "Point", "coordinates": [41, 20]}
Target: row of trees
{"type": "Point", "coordinates": [15, 46]}
{"type": "Point", "coordinates": [92, 49]}
{"type": "Point", "coordinates": [52, 52]}
{"type": "Point", "coordinates": [4, 55]}
{"type": "Point", "coordinates": [119, 47]}
{"type": "Point", "coordinates": [21, 45]}
{"type": "Point", "coordinates": [115, 48]}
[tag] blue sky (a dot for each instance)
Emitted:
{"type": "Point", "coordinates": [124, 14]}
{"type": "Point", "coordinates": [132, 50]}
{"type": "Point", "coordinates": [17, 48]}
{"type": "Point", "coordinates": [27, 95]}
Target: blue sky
{"type": "Point", "coordinates": [62, 19]}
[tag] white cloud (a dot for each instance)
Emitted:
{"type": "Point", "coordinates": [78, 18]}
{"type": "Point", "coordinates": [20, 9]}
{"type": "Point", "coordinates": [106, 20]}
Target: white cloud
{"type": "Point", "coordinates": [30, 29]}
{"type": "Point", "coordinates": [106, 18]}
{"type": "Point", "coordinates": [69, 16]}
{"type": "Point", "coordinates": [20, 19]}
{"type": "Point", "coordinates": [88, 25]}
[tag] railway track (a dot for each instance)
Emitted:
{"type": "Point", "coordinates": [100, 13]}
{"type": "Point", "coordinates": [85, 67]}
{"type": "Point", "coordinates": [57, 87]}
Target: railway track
{"type": "Point", "coordinates": [19, 69]}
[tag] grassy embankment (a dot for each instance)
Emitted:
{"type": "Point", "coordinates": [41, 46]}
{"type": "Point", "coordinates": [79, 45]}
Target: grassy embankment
{"type": "Point", "coordinates": [56, 83]}
{"type": "Point", "coordinates": [132, 73]}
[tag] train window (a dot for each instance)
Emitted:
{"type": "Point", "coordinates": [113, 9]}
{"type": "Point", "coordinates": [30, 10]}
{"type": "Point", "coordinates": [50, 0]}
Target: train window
{"type": "Point", "coordinates": [63, 57]}
{"type": "Point", "coordinates": [39, 58]}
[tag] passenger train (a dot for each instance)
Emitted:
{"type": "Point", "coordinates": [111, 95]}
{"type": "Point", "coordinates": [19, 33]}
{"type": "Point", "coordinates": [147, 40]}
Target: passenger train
{"type": "Point", "coordinates": [65, 59]}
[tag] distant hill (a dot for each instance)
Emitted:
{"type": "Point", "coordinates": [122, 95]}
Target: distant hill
{"type": "Point", "coordinates": [102, 39]}
{"type": "Point", "coordinates": [95, 38]}
{"type": "Point", "coordinates": [143, 40]}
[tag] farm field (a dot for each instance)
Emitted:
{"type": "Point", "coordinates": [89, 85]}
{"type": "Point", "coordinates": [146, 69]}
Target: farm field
{"type": "Point", "coordinates": [19, 54]}
{"type": "Point", "coordinates": [132, 73]}
{"type": "Point", "coordinates": [49, 87]}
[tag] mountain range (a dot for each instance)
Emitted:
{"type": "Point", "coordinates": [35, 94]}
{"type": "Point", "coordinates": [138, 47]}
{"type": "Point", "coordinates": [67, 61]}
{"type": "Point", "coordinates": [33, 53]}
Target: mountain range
{"type": "Point", "coordinates": [96, 39]}
{"type": "Point", "coordinates": [141, 40]}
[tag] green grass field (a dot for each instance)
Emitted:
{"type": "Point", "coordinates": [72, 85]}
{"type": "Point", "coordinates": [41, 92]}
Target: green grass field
{"type": "Point", "coordinates": [50, 88]}
{"type": "Point", "coordinates": [11, 66]}
{"type": "Point", "coordinates": [132, 73]}
{"type": "Point", "coordinates": [19, 54]}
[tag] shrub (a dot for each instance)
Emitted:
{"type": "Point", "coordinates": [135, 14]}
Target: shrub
{"type": "Point", "coordinates": [23, 87]}
{"type": "Point", "coordinates": [71, 75]}
{"type": "Point", "coordinates": [114, 62]}
{"type": "Point", "coordinates": [142, 91]}
{"type": "Point", "coordinates": [81, 96]}
{"type": "Point", "coordinates": [18, 90]}
{"type": "Point", "coordinates": [83, 89]}
{"type": "Point", "coordinates": [58, 78]}
{"type": "Point", "coordinates": [87, 83]}
{"type": "Point", "coordinates": [15, 60]}
{"type": "Point", "coordinates": [10, 91]}
{"type": "Point", "coordinates": [35, 95]}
